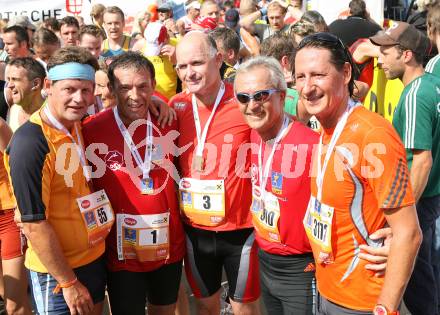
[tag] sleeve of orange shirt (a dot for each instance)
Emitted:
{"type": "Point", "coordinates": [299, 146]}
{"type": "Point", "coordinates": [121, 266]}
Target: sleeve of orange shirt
{"type": "Point", "coordinates": [384, 167]}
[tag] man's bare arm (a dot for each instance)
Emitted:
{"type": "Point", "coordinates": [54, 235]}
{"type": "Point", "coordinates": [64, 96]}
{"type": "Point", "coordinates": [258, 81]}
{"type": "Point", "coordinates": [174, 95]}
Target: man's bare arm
{"type": "Point", "coordinates": [407, 237]}
{"type": "Point", "coordinates": [420, 168]}
{"type": "Point", "coordinates": [45, 243]}
{"type": "Point", "coordinates": [247, 22]}
{"type": "Point", "coordinates": [5, 135]}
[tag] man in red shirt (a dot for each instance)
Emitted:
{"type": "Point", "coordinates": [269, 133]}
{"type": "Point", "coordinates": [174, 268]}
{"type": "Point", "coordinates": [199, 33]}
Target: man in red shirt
{"type": "Point", "coordinates": [280, 167]}
{"type": "Point", "coordinates": [146, 246]}
{"type": "Point", "coordinates": [214, 198]}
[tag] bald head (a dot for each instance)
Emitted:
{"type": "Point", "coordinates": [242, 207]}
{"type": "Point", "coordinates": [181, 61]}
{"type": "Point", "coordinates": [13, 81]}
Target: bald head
{"type": "Point", "coordinates": [196, 40]}
{"type": "Point", "coordinates": [198, 64]}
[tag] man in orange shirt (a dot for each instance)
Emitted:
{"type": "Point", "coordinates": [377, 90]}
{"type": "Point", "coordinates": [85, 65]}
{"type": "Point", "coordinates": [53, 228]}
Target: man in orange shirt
{"type": "Point", "coordinates": [361, 184]}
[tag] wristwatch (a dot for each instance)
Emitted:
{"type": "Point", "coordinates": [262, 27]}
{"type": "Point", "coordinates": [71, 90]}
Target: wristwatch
{"type": "Point", "coordinates": [380, 309]}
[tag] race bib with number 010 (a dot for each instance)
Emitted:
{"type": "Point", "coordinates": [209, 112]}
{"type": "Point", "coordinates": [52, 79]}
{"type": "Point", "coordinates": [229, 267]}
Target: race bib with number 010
{"type": "Point", "coordinates": [265, 215]}
{"type": "Point", "coordinates": [97, 215]}
{"type": "Point", "coordinates": [143, 237]}
{"type": "Point", "coordinates": [202, 201]}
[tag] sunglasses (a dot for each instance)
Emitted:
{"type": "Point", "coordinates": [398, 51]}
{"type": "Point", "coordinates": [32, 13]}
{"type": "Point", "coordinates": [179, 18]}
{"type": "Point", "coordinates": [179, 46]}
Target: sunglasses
{"type": "Point", "coordinates": [259, 96]}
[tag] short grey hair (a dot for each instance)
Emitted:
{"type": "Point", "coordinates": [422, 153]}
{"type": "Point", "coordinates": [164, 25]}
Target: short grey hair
{"type": "Point", "coordinates": [268, 63]}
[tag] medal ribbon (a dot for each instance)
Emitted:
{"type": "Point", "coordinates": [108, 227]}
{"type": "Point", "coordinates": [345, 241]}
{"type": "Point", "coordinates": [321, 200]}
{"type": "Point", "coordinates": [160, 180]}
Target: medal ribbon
{"type": "Point", "coordinates": [145, 165]}
{"type": "Point", "coordinates": [78, 144]}
{"type": "Point", "coordinates": [264, 169]}
{"type": "Point", "coordinates": [201, 136]}
{"type": "Point", "coordinates": [336, 134]}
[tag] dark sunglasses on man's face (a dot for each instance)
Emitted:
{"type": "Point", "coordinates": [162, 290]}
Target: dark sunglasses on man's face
{"type": "Point", "coordinates": [259, 96]}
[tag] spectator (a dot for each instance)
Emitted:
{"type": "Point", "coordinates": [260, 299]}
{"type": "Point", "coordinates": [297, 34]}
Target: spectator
{"type": "Point", "coordinates": [97, 15]}
{"type": "Point", "coordinates": [91, 38]}
{"type": "Point", "coordinates": [45, 45]}
{"type": "Point", "coordinates": [357, 25]}
{"type": "Point", "coordinates": [23, 21]}
{"type": "Point", "coordinates": [69, 31]}
{"type": "Point", "coordinates": [228, 45]}
{"type": "Point", "coordinates": [210, 9]}
{"type": "Point", "coordinates": [116, 42]}
{"type": "Point", "coordinates": [183, 24]}
{"type": "Point", "coordinates": [140, 23]}
{"type": "Point", "coordinates": [417, 121]}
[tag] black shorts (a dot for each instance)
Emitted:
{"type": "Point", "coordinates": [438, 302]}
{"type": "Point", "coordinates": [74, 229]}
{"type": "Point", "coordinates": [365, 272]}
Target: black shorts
{"type": "Point", "coordinates": [208, 252]}
{"type": "Point", "coordinates": [287, 283]}
{"type": "Point", "coordinates": [128, 291]}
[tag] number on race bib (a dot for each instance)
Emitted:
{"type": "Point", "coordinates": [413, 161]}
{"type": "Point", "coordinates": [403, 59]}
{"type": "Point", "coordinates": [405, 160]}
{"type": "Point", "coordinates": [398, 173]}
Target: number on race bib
{"type": "Point", "coordinates": [154, 234]}
{"type": "Point", "coordinates": [319, 230]}
{"type": "Point", "coordinates": [207, 202]}
{"type": "Point", "coordinates": [102, 215]}
{"type": "Point", "coordinates": [267, 217]}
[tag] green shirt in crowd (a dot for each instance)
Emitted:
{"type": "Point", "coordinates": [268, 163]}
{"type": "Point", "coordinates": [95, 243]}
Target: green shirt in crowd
{"type": "Point", "coordinates": [291, 101]}
{"type": "Point", "coordinates": [417, 121]}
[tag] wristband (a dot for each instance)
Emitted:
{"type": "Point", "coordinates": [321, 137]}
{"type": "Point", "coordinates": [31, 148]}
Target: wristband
{"type": "Point", "coordinates": [64, 285]}
{"type": "Point", "coordinates": [263, 11]}
{"type": "Point", "coordinates": [380, 309]}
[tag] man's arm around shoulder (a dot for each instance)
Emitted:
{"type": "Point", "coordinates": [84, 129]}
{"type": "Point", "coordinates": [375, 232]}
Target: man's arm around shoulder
{"type": "Point", "coordinates": [405, 244]}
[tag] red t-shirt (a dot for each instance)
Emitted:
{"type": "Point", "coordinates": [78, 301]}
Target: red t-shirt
{"type": "Point", "coordinates": [289, 181]}
{"type": "Point", "coordinates": [225, 155]}
{"type": "Point", "coordinates": [119, 184]}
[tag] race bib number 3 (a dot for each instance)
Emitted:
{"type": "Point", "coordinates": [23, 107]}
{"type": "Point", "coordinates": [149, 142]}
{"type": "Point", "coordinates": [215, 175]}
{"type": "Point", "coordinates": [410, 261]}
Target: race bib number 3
{"type": "Point", "coordinates": [318, 226]}
{"type": "Point", "coordinates": [97, 215]}
{"type": "Point", "coordinates": [143, 237]}
{"type": "Point", "coordinates": [202, 201]}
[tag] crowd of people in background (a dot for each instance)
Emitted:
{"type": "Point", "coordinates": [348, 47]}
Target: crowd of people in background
{"type": "Point", "coordinates": [237, 143]}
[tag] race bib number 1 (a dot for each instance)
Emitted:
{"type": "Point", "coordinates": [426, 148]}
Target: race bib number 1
{"type": "Point", "coordinates": [97, 215]}
{"type": "Point", "coordinates": [143, 237]}
{"type": "Point", "coordinates": [202, 201]}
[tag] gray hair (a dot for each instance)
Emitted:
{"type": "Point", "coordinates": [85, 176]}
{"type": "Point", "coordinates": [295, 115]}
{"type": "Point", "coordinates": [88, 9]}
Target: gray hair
{"type": "Point", "coordinates": [270, 64]}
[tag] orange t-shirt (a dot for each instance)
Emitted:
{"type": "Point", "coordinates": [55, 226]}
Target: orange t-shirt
{"type": "Point", "coordinates": [225, 153]}
{"type": "Point", "coordinates": [377, 178]}
{"type": "Point", "coordinates": [7, 200]}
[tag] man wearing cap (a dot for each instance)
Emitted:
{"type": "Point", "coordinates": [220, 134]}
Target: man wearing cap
{"type": "Point", "coordinates": [231, 19]}
{"type": "Point", "coordinates": [417, 121]}
{"type": "Point", "coordinates": [192, 12]}
{"type": "Point", "coordinates": [165, 16]}
{"type": "Point", "coordinates": [65, 222]}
